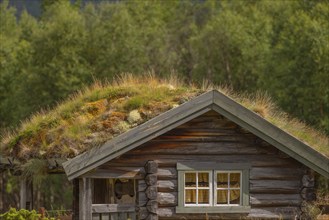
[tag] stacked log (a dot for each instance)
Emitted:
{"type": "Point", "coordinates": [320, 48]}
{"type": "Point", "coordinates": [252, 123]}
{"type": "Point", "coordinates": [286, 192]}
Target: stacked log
{"type": "Point", "coordinates": [307, 192]}
{"type": "Point", "coordinates": [148, 200]}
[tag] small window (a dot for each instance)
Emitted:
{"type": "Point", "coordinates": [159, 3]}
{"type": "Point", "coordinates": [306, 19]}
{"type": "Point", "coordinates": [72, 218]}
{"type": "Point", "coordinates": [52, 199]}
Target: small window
{"type": "Point", "coordinates": [197, 188]}
{"type": "Point", "coordinates": [228, 188]}
{"type": "Point", "coordinates": [212, 187]}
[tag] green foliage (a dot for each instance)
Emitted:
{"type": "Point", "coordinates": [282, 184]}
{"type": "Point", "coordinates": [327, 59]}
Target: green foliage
{"type": "Point", "coordinates": [22, 214]}
{"type": "Point", "coordinates": [277, 46]}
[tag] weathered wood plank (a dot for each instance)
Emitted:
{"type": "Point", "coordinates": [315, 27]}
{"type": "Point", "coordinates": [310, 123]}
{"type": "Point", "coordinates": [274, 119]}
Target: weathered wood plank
{"type": "Point", "coordinates": [255, 213]}
{"type": "Point", "coordinates": [170, 213]}
{"type": "Point", "coordinates": [75, 202]}
{"type": "Point", "coordinates": [141, 186]}
{"type": "Point", "coordinates": [163, 198]}
{"type": "Point", "coordinates": [115, 216]}
{"type": "Point", "coordinates": [167, 198]}
{"type": "Point", "coordinates": [274, 186]}
{"type": "Point", "coordinates": [96, 216]}
{"type": "Point", "coordinates": [171, 160]}
{"type": "Point", "coordinates": [167, 173]}
{"type": "Point", "coordinates": [206, 148]}
{"type": "Point", "coordinates": [112, 208]}
{"type": "Point", "coordinates": [85, 199]}
{"type": "Point", "coordinates": [167, 185]}
{"type": "Point", "coordinates": [274, 213]}
{"type": "Point", "coordinates": [275, 200]}
{"type": "Point", "coordinates": [117, 172]}
{"type": "Point", "coordinates": [192, 130]}
{"type": "Point", "coordinates": [275, 173]}
{"type": "Point", "coordinates": [23, 192]}
{"type": "Point", "coordinates": [106, 216]}
{"type": "Point", "coordinates": [142, 199]}
{"type": "Point", "coordinates": [220, 139]}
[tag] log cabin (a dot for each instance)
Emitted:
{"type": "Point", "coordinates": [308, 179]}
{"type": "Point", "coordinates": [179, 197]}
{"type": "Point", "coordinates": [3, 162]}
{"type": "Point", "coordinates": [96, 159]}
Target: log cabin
{"type": "Point", "coordinates": [208, 158]}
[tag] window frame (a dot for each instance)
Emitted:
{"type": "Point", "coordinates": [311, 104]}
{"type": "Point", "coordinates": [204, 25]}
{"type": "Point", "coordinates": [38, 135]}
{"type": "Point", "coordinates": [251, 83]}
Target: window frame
{"type": "Point", "coordinates": [229, 188]}
{"type": "Point", "coordinates": [213, 168]}
{"type": "Point", "coordinates": [210, 187]}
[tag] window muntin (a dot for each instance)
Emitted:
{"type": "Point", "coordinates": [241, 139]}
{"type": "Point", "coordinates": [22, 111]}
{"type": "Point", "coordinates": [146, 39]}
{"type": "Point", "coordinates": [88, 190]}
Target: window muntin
{"type": "Point", "coordinates": [198, 188]}
{"type": "Point", "coordinates": [228, 188]}
{"type": "Point", "coordinates": [212, 188]}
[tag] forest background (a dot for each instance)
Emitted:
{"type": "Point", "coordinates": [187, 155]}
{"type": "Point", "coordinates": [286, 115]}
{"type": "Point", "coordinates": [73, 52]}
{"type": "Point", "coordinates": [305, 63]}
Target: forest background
{"type": "Point", "coordinates": [279, 47]}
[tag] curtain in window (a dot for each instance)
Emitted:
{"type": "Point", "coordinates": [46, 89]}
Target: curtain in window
{"type": "Point", "coordinates": [226, 193]}
{"type": "Point", "coordinates": [190, 194]}
{"type": "Point", "coordinates": [203, 194]}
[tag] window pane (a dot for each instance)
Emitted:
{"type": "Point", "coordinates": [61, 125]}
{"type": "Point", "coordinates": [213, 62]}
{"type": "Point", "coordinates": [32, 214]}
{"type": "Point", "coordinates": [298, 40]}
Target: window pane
{"type": "Point", "coordinates": [190, 196]}
{"type": "Point", "coordinates": [203, 179]}
{"type": "Point", "coordinates": [234, 180]}
{"type": "Point", "coordinates": [190, 179]}
{"type": "Point", "coordinates": [222, 196]}
{"type": "Point", "coordinates": [222, 180]}
{"type": "Point", "coordinates": [203, 196]}
{"type": "Point", "coordinates": [235, 196]}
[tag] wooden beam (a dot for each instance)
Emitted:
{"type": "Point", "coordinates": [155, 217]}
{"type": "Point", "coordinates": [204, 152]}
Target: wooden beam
{"type": "Point", "coordinates": [113, 208]}
{"type": "Point", "coordinates": [85, 199]}
{"type": "Point", "coordinates": [117, 172]}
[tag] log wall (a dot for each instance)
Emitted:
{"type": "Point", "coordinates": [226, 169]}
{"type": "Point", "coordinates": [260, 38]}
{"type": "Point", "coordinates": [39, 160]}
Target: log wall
{"type": "Point", "coordinates": [275, 178]}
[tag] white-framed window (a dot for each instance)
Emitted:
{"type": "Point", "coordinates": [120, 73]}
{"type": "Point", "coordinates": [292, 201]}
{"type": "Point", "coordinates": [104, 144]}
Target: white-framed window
{"type": "Point", "coordinates": [198, 188]}
{"type": "Point", "coordinates": [213, 187]}
{"type": "Point", "coordinates": [228, 188]}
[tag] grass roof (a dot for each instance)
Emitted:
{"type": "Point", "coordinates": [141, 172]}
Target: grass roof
{"type": "Point", "coordinates": [95, 115]}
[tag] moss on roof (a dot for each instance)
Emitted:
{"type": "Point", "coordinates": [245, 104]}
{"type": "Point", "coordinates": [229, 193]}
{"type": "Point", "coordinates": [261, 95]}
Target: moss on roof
{"type": "Point", "coordinates": [101, 112]}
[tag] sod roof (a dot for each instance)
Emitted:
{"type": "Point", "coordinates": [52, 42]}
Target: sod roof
{"type": "Point", "coordinates": [97, 114]}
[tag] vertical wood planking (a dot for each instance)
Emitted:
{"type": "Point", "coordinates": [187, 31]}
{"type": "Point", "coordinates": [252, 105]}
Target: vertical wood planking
{"type": "Point", "coordinates": [75, 202]}
{"type": "Point", "coordinates": [22, 194]}
{"type": "Point", "coordinates": [85, 200]}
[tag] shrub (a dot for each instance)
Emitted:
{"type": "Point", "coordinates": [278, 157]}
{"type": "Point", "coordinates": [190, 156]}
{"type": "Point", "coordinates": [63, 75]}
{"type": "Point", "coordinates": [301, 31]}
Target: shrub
{"type": "Point", "coordinates": [22, 214]}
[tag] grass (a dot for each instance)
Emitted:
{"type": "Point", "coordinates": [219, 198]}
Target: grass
{"type": "Point", "coordinates": [100, 112]}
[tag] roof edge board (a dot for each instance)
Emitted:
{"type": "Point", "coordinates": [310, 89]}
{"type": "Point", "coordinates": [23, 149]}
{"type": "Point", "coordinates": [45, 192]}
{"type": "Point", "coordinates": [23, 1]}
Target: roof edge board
{"type": "Point", "coordinates": [274, 135]}
{"type": "Point", "coordinates": [136, 144]}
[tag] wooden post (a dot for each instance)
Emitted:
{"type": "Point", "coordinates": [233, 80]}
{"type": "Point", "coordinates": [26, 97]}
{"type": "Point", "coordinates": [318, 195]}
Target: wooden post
{"type": "Point", "coordinates": [85, 198]}
{"type": "Point", "coordinates": [307, 191]}
{"type": "Point", "coordinates": [151, 191]}
{"type": "Point", "coordinates": [75, 202]}
{"type": "Point", "coordinates": [26, 194]}
{"type": "Point", "coordinates": [22, 194]}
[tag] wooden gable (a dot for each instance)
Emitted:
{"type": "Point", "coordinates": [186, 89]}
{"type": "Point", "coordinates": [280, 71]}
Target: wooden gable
{"type": "Point", "coordinates": [274, 181]}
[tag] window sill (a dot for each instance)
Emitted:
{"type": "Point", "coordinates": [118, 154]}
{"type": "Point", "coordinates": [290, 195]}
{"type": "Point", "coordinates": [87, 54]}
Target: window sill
{"type": "Point", "coordinates": [217, 209]}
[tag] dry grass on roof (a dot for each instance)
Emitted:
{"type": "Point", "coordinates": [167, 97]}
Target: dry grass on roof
{"type": "Point", "coordinates": [95, 115]}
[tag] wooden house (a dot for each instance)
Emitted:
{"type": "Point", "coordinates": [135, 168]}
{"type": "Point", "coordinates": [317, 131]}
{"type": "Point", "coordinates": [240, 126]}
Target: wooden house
{"type": "Point", "coordinates": [209, 158]}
